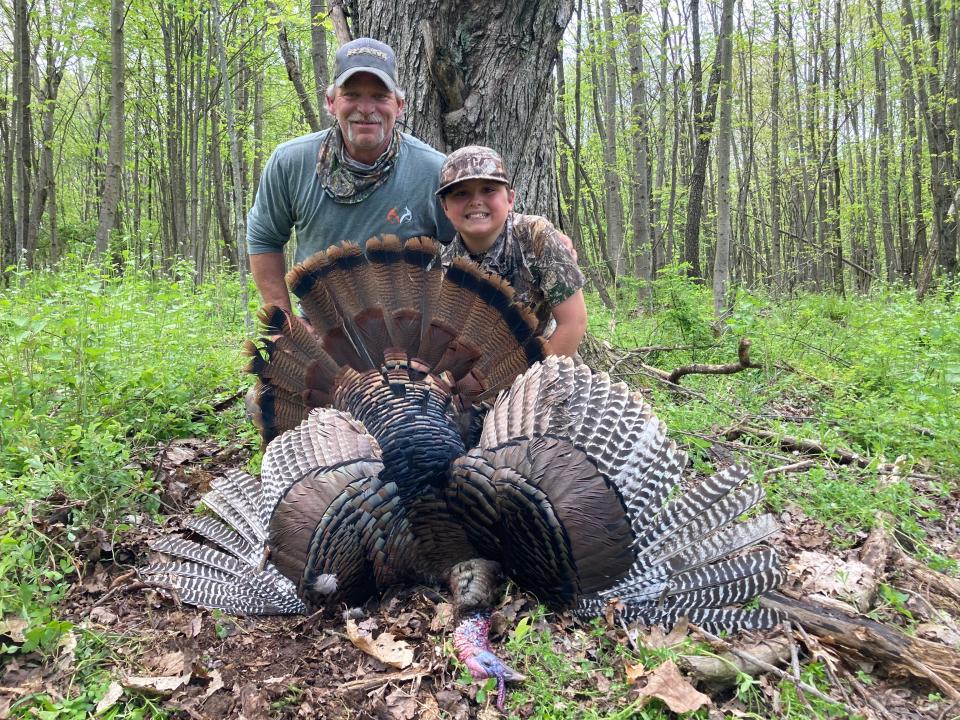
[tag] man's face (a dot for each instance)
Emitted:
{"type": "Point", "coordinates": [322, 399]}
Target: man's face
{"type": "Point", "coordinates": [366, 111]}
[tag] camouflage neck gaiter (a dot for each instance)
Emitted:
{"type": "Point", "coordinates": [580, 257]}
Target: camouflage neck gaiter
{"type": "Point", "coordinates": [347, 181]}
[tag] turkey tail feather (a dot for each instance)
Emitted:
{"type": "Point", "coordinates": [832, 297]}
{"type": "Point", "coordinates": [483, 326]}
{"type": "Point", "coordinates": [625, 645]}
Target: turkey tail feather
{"type": "Point", "coordinates": [230, 578]}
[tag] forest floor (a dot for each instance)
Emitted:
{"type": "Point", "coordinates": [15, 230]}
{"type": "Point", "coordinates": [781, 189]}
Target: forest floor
{"type": "Point", "coordinates": [116, 413]}
{"type": "Point", "coordinates": [198, 664]}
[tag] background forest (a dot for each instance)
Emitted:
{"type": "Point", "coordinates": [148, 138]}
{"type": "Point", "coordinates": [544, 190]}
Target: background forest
{"type": "Point", "coordinates": [786, 171]}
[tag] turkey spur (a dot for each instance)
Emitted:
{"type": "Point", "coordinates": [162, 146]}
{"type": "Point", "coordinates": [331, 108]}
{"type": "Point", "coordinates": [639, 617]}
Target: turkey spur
{"type": "Point", "coordinates": [378, 471]}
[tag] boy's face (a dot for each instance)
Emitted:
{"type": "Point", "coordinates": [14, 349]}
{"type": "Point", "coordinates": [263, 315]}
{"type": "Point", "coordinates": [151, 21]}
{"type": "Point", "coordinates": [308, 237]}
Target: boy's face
{"type": "Point", "coordinates": [478, 209]}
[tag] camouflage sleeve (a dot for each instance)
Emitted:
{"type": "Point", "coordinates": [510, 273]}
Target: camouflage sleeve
{"type": "Point", "coordinates": [552, 264]}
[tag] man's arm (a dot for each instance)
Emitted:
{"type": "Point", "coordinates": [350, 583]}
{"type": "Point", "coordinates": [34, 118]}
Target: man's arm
{"type": "Point", "coordinates": [268, 270]}
{"type": "Point", "coordinates": [571, 317]}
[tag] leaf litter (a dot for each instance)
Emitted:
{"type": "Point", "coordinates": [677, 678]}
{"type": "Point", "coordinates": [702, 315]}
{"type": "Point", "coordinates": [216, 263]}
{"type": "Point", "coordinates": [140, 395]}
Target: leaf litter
{"type": "Point", "coordinates": [391, 664]}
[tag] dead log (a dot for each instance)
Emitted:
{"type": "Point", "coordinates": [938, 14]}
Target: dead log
{"type": "Point", "coordinates": [901, 654]}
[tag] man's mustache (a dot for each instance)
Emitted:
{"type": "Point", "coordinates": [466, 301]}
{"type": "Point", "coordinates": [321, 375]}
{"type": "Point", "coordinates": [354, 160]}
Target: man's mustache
{"type": "Point", "coordinates": [360, 117]}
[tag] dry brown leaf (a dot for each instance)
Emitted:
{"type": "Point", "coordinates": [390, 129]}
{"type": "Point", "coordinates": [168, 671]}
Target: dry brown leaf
{"type": "Point", "coordinates": [169, 664]}
{"type": "Point", "coordinates": [429, 710]}
{"type": "Point", "coordinates": [194, 626]}
{"type": "Point", "coordinates": [14, 627]}
{"type": "Point", "coordinates": [667, 684]}
{"type": "Point", "coordinates": [163, 685]}
{"type": "Point", "coordinates": [109, 699]}
{"type": "Point", "coordinates": [400, 706]}
{"type": "Point", "coordinates": [657, 639]}
{"type": "Point", "coordinates": [216, 683]}
{"type": "Point", "coordinates": [442, 618]}
{"type": "Point", "coordinates": [395, 653]}
{"type": "Point", "coordinates": [831, 576]}
{"type": "Point", "coordinates": [634, 672]}
{"type": "Point", "coordinates": [102, 616]}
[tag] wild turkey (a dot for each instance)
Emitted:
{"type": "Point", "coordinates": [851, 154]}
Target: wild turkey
{"type": "Point", "coordinates": [571, 489]}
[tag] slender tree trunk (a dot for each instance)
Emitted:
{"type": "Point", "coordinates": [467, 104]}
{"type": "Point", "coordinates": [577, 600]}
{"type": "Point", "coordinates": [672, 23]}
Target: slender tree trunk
{"type": "Point", "coordinates": [239, 206]}
{"type": "Point", "coordinates": [836, 237]}
{"type": "Point", "coordinates": [891, 258]}
{"type": "Point", "coordinates": [318, 56]}
{"type": "Point", "coordinates": [24, 128]}
{"type": "Point", "coordinates": [7, 214]}
{"type": "Point", "coordinates": [657, 251]}
{"type": "Point", "coordinates": [292, 64]}
{"type": "Point", "coordinates": [640, 216]}
{"type": "Point", "coordinates": [111, 184]}
{"type": "Point", "coordinates": [776, 280]}
{"type": "Point", "coordinates": [721, 260]}
{"type": "Point", "coordinates": [703, 124]}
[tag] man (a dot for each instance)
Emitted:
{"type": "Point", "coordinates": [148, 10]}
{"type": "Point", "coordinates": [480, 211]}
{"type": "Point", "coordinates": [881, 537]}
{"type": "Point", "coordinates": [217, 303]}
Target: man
{"type": "Point", "coordinates": [359, 179]}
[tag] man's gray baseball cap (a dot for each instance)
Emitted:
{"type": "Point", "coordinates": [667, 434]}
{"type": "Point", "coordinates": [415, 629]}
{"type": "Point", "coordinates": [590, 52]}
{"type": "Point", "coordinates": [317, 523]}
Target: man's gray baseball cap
{"type": "Point", "coordinates": [366, 55]}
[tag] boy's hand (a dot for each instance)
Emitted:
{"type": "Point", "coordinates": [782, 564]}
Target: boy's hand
{"type": "Point", "coordinates": [568, 244]}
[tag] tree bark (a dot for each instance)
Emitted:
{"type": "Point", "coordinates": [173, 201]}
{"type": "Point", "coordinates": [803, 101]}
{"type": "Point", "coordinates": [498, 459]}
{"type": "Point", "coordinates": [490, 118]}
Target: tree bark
{"type": "Point", "coordinates": [703, 126]}
{"type": "Point", "coordinates": [111, 183]}
{"type": "Point", "coordinates": [640, 216]}
{"type": "Point", "coordinates": [318, 56]}
{"type": "Point", "coordinates": [239, 206]}
{"type": "Point", "coordinates": [23, 131]}
{"type": "Point", "coordinates": [475, 75]}
{"type": "Point", "coordinates": [721, 260]}
{"type": "Point", "coordinates": [776, 281]}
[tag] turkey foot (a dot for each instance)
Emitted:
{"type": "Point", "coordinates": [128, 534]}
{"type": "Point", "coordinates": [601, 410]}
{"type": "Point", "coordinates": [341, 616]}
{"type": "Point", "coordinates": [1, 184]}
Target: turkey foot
{"type": "Point", "coordinates": [472, 645]}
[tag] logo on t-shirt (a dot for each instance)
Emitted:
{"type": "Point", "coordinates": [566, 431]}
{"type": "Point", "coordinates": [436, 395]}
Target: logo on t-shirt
{"type": "Point", "coordinates": [395, 218]}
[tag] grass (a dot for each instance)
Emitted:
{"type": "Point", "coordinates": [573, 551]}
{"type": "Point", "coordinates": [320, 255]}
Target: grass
{"type": "Point", "coordinates": [96, 368]}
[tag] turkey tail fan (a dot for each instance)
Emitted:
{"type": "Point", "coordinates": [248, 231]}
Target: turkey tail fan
{"type": "Point", "coordinates": [388, 301]}
{"type": "Point", "coordinates": [579, 472]}
{"type": "Point", "coordinates": [229, 578]}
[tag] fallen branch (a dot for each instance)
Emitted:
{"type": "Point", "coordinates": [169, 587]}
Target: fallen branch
{"type": "Point", "coordinates": [743, 363]}
{"type": "Point", "coordinates": [767, 667]}
{"type": "Point", "coordinates": [792, 467]}
{"type": "Point", "coordinates": [874, 553]}
{"type": "Point", "coordinates": [379, 680]}
{"type": "Point", "coordinates": [934, 662]}
{"type": "Point", "coordinates": [721, 670]}
{"type": "Point", "coordinates": [790, 443]}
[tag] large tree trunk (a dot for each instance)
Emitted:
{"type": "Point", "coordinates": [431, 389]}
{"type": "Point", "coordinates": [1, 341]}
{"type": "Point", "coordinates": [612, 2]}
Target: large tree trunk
{"type": "Point", "coordinates": [478, 75]}
{"type": "Point", "coordinates": [111, 183]}
{"type": "Point", "coordinates": [891, 258]}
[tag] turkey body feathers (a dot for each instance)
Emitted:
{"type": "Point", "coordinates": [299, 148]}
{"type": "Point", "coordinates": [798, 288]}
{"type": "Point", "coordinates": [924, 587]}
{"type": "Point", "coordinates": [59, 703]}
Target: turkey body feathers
{"type": "Point", "coordinates": [573, 490]}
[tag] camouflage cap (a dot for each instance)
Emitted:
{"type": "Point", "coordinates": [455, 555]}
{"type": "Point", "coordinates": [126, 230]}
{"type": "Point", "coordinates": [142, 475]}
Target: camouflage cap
{"type": "Point", "coordinates": [473, 162]}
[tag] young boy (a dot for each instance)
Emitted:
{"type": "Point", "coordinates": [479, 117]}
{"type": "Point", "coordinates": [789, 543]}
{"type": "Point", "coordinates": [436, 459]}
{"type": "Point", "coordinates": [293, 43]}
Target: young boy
{"type": "Point", "coordinates": [525, 250]}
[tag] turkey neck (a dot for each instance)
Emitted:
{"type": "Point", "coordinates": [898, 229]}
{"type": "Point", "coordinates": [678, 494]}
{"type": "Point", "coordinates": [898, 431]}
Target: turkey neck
{"type": "Point", "coordinates": [413, 418]}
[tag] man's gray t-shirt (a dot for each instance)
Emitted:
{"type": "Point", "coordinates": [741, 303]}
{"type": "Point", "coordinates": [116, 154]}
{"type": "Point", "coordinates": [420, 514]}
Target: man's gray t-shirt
{"type": "Point", "coordinates": [290, 197]}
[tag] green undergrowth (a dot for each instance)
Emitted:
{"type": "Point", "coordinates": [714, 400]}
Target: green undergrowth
{"type": "Point", "coordinates": [95, 369]}
{"type": "Point", "coordinates": [583, 674]}
{"type": "Point", "coordinates": [878, 375]}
